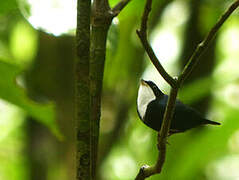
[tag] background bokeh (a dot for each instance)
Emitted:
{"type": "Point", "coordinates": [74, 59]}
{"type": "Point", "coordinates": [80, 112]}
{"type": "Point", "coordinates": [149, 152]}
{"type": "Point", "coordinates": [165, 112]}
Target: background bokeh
{"type": "Point", "coordinates": [37, 49]}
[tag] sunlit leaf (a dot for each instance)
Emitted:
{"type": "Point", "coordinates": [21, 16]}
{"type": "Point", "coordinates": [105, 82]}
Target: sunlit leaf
{"type": "Point", "coordinates": [23, 43]}
{"type": "Point", "coordinates": [13, 93]}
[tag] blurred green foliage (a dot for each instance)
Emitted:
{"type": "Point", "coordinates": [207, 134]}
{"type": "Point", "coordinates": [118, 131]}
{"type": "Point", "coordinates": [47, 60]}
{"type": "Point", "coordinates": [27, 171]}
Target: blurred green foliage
{"type": "Point", "coordinates": [6, 6]}
{"type": "Point", "coordinates": [29, 151]}
{"type": "Point", "coordinates": [23, 43]}
{"type": "Point", "coordinates": [13, 93]}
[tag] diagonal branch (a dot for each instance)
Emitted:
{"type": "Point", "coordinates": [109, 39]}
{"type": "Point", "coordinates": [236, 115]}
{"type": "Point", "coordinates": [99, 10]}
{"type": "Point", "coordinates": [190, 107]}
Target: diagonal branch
{"type": "Point", "coordinates": [119, 7]}
{"type": "Point", "coordinates": [205, 43]}
{"type": "Point", "coordinates": [142, 33]}
{"type": "Point", "coordinates": [146, 171]}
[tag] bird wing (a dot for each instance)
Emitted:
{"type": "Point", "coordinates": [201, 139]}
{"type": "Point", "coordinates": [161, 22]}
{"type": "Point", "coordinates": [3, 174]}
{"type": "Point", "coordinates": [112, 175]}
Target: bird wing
{"type": "Point", "coordinates": [186, 117]}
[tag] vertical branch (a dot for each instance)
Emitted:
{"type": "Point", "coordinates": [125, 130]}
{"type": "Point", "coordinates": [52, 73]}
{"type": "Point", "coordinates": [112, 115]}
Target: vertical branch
{"type": "Point", "coordinates": [101, 20]}
{"type": "Point", "coordinates": [96, 81]}
{"type": "Point", "coordinates": [82, 90]}
{"type": "Point", "coordinates": [102, 16]}
{"type": "Point", "coordinates": [89, 69]}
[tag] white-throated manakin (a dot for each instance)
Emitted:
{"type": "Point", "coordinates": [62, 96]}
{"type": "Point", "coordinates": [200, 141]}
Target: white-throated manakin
{"type": "Point", "coordinates": [151, 104]}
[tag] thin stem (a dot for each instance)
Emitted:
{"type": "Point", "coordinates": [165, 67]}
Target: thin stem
{"type": "Point", "coordinates": [142, 34]}
{"type": "Point", "coordinates": [146, 171]}
{"type": "Point", "coordinates": [205, 43]}
{"type": "Point", "coordinates": [119, 7]}
{"type": "Point", "coordinates": [163, 134]}
{"type": "Point", "coordinates": [155, 61]}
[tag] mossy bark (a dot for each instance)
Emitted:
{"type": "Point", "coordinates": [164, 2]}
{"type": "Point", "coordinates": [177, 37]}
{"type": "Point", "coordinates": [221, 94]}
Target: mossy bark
{"type": "Point", "coordinates": [101, 20]}
{"type": "Point", "coordinates": [91, 48]}
{"type": "Point", "coordinates": [82, 99]}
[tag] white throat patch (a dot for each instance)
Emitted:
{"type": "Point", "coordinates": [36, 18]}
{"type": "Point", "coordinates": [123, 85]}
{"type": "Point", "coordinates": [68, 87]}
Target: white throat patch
{"type": "Point", "coordinates": [145, 96]}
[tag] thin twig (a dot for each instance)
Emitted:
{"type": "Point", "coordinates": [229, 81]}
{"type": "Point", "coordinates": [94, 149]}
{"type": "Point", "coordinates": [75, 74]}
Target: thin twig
{"type": "Point", "coordinates": [146, 171]}
{"type": "Point", "coordinates": [145, 17]}
{"type": "Point", "coordinates": [205, 43]}
{"type": "Point", "coordinates": [142, 33]}
{"type": "Point", "coordinates": [163, 134]}
{"type": "Point", "coordinates": [119, 7]}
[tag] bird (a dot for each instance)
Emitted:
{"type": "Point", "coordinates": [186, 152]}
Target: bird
{"type": "Point", "coordinates": [151, 104]}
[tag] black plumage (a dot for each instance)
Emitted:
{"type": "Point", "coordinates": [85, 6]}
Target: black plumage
{"type": "Point", "coordinates": [151, 111]}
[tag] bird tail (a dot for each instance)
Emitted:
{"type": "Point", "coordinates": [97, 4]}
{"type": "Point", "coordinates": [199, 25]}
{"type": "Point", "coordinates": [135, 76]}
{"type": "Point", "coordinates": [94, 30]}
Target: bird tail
{"type": "Point", "coordinates": [206, 121]}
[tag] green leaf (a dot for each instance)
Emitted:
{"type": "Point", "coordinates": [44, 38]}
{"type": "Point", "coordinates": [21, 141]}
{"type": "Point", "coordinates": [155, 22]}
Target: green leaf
{"type": "Point", "coordinates": [7, 5]}
{"type": "Point", "coordinates": [11, 92]}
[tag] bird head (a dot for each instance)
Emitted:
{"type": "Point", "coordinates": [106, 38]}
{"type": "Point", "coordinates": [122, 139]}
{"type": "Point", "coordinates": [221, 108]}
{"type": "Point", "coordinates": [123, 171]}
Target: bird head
{"type": "Point", "coordinates": [150, 88]}
{"type": "Point", "coordinates": [148, 91]}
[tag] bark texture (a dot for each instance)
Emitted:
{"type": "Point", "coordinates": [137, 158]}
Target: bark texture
{"type": "Point", "coordinates": [83, 133]}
